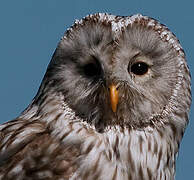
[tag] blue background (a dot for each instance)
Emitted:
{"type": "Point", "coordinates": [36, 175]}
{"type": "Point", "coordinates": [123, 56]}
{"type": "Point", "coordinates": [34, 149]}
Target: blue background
{"type": "Point", "coordinates": [31, 29]}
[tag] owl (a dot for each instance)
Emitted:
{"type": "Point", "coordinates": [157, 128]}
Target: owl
{"type": "Point", "coordinates": [113, 105]}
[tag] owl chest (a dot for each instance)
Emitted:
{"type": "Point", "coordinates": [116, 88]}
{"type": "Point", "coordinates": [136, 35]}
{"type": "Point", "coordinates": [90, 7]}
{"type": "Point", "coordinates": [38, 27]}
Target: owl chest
{"type": "Point", "coordinates": [126, 156]}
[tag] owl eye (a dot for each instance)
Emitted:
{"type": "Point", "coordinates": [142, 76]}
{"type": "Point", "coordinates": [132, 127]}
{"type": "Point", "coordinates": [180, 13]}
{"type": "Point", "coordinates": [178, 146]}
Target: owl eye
{"type": "Point", "coordinates": [139, 68]}
{"type": "Point", "coordinates": [92, 69]}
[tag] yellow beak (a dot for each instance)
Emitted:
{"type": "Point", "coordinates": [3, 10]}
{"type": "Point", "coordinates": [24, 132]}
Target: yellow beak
{"type": "Point", "coordinates": [114, 97]}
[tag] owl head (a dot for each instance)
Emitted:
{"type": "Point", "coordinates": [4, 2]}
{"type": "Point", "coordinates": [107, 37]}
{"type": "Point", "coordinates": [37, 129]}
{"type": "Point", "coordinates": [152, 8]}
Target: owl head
{"type": "Point", "coordinates": [126, 71]}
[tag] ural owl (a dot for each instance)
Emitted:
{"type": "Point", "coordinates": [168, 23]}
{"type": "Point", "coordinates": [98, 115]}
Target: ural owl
{"type": "Point", "coordinates": [113, 104]}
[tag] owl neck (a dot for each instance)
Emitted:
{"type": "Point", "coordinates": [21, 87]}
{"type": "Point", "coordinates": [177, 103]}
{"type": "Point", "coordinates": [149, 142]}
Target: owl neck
{"type": "Point", "coordinates": [138, 154]}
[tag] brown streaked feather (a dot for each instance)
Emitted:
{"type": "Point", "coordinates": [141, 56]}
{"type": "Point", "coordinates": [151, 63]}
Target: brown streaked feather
{"type": "Point", "coordinates": [40, 157]}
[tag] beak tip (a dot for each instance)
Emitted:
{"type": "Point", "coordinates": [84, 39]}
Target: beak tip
{"type": "Point", "coordinates": [114, 109]}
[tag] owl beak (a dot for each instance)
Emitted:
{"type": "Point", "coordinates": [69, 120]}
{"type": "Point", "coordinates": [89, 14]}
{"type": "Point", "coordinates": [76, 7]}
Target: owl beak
{"type": "Point", "coordinates": [114, 97]}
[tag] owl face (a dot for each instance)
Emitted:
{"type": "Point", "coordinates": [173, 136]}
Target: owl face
{"type": "Point", "coordinates": [122, 77]}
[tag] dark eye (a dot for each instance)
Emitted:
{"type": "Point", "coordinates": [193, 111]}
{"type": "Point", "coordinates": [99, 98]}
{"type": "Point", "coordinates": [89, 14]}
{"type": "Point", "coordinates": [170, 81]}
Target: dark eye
{"type": "Point", "coordinates": [139, 68]}
{"type": "Point", "coordinates": [93, 68]}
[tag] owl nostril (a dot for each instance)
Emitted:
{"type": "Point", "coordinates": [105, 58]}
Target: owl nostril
{"type": "Point", "coordinates": [116, 87]}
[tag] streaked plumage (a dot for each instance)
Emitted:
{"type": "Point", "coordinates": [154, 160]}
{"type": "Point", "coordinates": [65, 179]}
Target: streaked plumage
{"type": "Point", "coordinates": [113, 104]}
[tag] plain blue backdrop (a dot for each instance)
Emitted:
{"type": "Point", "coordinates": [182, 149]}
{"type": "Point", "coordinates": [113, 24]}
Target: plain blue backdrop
{"type": "Point", "coordinates": [31, 29]}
